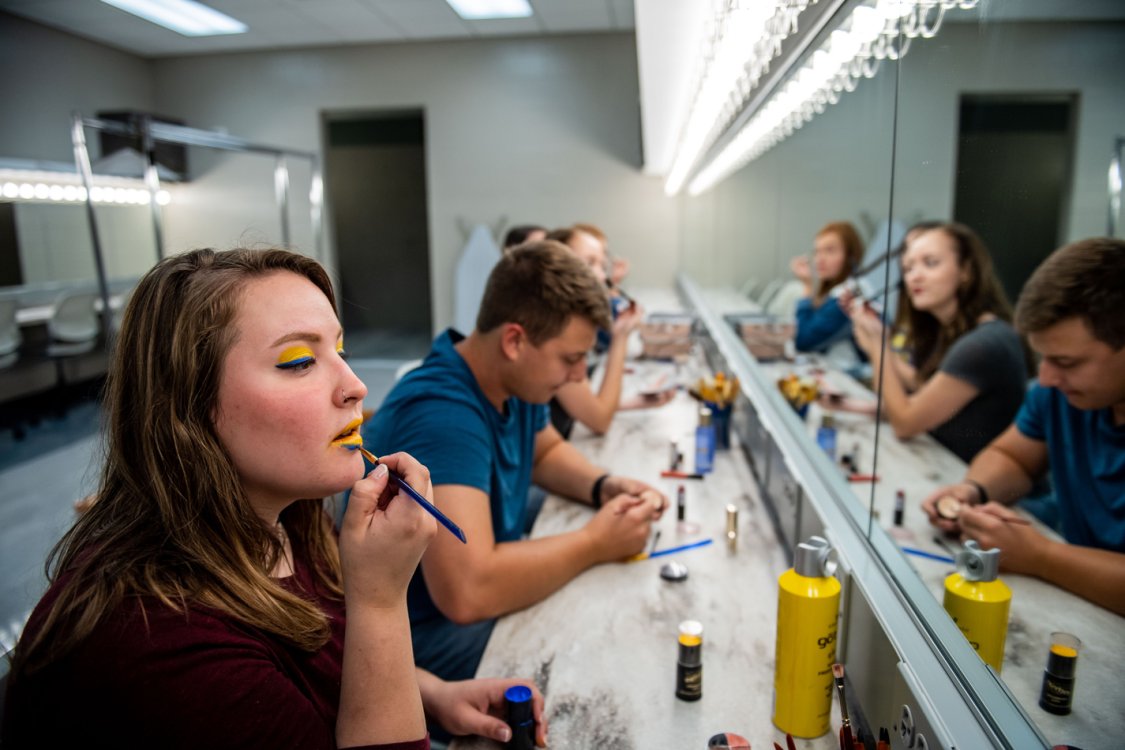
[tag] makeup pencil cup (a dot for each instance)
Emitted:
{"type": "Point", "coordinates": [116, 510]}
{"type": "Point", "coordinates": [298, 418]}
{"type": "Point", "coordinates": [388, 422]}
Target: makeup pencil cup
{"type": "Point", "coordinates": [720, 419]}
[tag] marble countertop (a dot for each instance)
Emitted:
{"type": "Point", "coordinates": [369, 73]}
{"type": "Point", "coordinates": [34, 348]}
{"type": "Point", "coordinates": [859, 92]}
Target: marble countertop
{"type": "Point", "coordinates": [603, 649]}
{"type": "Point", "coordinates": [917, 467]}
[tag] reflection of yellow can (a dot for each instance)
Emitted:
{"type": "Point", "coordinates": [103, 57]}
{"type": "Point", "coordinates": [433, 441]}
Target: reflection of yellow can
{"type": "Point", "coordinates": [980, 609]}
{"type": "Point", "coordinates": [807, 609]}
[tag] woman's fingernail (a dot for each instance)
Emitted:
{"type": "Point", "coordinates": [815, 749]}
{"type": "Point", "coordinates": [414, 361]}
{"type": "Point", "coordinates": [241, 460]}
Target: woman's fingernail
{"type": "Point", "coordinates": [380, 471]}
{"type": "Point", "coordinates": [504, 734]}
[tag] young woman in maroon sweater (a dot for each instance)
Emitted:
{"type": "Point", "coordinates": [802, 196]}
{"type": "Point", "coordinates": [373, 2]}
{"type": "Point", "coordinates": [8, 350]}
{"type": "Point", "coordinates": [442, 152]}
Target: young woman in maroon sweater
{"type": "Point", "coordinates": [200, 601]}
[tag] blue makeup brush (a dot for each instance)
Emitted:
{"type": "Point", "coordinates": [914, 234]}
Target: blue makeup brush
{"type": "Point", "coordinates": [443, 519]}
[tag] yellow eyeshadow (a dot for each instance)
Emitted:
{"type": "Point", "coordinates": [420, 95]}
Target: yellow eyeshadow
{"type": "Point", "coordinates": [294, 355]}
{"type": "Point", "coordinates": [1062, 650]}
{"type": "Point", "coordinates": [339, 346]}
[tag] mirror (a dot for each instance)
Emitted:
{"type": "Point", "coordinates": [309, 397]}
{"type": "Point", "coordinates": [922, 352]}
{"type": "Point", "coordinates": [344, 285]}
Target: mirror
{"type": "Point", "coordinates": [742, 238]}
{"type": "Point", "coordinates": [1007, 121]}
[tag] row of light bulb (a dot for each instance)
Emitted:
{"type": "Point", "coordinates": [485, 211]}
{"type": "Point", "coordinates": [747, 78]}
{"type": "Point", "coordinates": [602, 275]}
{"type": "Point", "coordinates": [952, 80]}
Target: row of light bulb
{"type": "Point", "coordinates": [847, 56]}
{"type": "Point", "coordinates": [747, 36]}
{"type": "Point", "coordinates": [41, 191]}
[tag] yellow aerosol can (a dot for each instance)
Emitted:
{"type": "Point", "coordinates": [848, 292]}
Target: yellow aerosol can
{"type": "Point", "coordinates": [808, 604]}
{"type": "Point", "coordinates": [978, 601]}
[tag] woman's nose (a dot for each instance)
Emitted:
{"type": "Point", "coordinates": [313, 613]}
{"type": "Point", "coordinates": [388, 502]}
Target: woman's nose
{"type": "Point", "coordinates": [352, 388]}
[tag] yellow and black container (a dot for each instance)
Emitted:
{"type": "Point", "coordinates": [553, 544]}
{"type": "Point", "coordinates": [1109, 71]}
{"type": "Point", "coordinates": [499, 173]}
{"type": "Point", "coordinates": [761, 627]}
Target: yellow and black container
{"type": "Point", "coordinates": [808, 605]}
{"type": "Point", "coordinates": [978, 601]}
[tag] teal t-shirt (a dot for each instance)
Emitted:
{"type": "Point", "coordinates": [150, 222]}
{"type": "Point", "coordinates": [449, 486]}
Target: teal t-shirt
{"type": "Point", "coordinates": [1087, 454]}
{"type": "Point", "coordinates": [438, 414]}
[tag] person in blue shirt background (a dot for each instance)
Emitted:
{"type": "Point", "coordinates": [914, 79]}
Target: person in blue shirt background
{"type": "Point", "coordinates": [1072, 422]}
{"type": "Point", "coordinates": [823, 325]}
{"type": "Point", "coordinates": [474, 413]}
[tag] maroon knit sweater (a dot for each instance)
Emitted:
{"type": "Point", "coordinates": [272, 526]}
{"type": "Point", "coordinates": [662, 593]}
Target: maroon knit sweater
{"type": "Point", "coordinates": [195, 680]}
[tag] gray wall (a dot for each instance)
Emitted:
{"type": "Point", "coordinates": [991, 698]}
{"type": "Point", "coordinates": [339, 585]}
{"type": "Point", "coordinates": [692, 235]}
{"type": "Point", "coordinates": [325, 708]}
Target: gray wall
{"type": "Point", "coordinates": [1088, 58]}
{"type": "Point", "coordinates": [48, 75]}
{"type": "Point", "coordinates": [543, 130]}
{"type": "Point", "coordinates": [539, 129]}
{"type": "Point", "coordinates": [838, 166]}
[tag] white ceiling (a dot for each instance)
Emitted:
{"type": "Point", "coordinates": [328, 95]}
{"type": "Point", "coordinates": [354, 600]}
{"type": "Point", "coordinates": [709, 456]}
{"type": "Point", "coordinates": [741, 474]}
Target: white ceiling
{"type": "Point", "coordinates": [304, 23]}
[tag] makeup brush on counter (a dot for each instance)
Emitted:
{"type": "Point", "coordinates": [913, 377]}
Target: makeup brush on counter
{"type": "Point", "coordinates": [847, 742]}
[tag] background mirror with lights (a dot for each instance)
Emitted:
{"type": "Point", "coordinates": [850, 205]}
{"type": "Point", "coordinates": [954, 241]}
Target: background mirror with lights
{"type": "Point", "coordinates": [53, 343]}
{"type": "Point", "coordinates": [1007, 118]}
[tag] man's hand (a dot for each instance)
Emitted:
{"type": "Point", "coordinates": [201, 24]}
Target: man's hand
{"type": "Point", "coordinates": [939, 510]}
{"type": "Point", "coordinates": [620, 529]}
{"type": "Point", "coordinates": [615, 486]}
{"type": "Point", "coordinates": [994, 525]}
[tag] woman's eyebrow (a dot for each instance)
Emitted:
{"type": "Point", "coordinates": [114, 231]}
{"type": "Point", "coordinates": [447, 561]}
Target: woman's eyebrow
{"type": "Point", "coordinates": [297, 336]}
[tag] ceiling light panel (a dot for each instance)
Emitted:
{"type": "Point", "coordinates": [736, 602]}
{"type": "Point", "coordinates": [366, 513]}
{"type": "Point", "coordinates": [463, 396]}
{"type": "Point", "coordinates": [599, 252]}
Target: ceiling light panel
{"type": "Point", "coordinates": [477, 10]}
{"type": "Point", "coordinates": [185, 17]}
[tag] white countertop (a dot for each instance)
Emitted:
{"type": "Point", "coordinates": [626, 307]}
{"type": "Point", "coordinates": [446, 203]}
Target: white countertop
{"type": "Point", "coordinates": [920, 465]}
{"type": "Point", "coordinates": [603, 649]}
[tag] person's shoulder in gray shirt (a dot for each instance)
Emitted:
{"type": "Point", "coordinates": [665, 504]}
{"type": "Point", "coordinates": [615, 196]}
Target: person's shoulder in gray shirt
{"type": "Point", "coordinates": [991, 358]}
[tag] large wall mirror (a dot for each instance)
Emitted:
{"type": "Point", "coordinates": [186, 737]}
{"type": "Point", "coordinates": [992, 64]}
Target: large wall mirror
{"type": "Point", "coordinates": [1008, 122]}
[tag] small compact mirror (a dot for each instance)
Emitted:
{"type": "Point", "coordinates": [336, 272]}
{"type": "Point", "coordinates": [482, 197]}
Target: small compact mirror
{"type": "Point", "coordinates": [673, 570]}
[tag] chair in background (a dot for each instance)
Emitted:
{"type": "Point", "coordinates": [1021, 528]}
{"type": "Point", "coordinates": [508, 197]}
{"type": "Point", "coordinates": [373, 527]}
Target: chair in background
{"type": "Point", "coordinates": [10, 336]}
{"type": "Point", "coordinates": [783, 304]}
{"type": "Point", "coordinates": [73, 329]}
{"type": "Point", "coordinates": [768, 291]}
{"type": "Point", "coordinates": [406, 367]}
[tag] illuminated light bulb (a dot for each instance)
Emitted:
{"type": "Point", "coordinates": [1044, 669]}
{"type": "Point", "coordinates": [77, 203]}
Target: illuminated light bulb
{"type": "Point", "coordinates": [11, 190]}
{"type": "Point", "coordinates": [42, 191]}
{"type": "Point", "coordinates": [27, 191]}
{"type": "Point", "coordinates": [867, 24]}
{"type": "Point", "coordinates": [70, 193]}
{"type": "Point", "coordinates": [81, 193]}
{"type": "Point", "coordinates": [891, 9]}
{"type": "Point", "coordinates": [120, 195]}
{"type": "Point", "coordinates": [55, 193]}
{"type": "Point", "coordinates": [163, 197]}
{"type": "Point", "coordinates": [96, 194]}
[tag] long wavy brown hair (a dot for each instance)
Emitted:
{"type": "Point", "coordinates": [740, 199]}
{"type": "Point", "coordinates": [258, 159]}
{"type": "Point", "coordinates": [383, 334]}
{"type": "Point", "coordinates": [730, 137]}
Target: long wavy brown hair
{"type": "Point", "coordinates": [171, 520]}
{"type": "Point", "coordinates": [853, 255]}
{"type": "Point", "coordinates": [980, 293]}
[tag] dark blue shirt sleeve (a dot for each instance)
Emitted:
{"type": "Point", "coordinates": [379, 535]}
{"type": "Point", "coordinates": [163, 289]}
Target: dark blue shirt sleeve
{"type": "Point", "coordinates": [448, 437]}
{"type": "Point", "coordinates": [817, 327]}
{"type": "Point", "coordinates": [1030, 420]}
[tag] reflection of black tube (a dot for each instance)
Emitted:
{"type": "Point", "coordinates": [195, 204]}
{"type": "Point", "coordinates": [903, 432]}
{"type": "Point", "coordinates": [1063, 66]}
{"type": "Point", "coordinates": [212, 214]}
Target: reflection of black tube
{"type": "Point", "coordinates": [520, 718]}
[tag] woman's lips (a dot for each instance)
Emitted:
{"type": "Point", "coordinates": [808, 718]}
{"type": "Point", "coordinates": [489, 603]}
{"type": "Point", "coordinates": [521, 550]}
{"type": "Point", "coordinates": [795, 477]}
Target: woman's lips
{"type": "Point", "coordinates": [351, 436]}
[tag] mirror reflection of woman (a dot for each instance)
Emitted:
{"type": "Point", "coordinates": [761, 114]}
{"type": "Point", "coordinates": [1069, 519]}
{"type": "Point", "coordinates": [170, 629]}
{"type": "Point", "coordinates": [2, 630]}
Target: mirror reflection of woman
{"type": "Point", "coordinates": [199, 602]}
{"type": "Point", "coordinates": [968, 367]}
{"type": "Point", "coordinates": [822, 323]}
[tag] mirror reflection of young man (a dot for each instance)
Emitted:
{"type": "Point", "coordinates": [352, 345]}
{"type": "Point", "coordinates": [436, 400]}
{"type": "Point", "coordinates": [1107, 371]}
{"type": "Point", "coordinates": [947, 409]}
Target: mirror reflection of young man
{"type": "Point", "coordinates": [475, 414]}
{"type": "Point", "coordinates": [1072, 422]}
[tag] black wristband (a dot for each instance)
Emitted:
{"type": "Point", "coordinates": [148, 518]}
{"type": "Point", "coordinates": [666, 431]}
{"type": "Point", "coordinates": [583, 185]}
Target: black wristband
{"type": "Point", "coordinates": [980, 490]}
{"type": "Point", "coordinates": [596, 492]}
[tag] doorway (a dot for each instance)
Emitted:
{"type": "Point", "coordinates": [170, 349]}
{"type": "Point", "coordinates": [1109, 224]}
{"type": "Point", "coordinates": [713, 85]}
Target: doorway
{"type": "Point", "coordinates": [375, 178]}
{"type": "Point", "coordinates": [1014, 162]}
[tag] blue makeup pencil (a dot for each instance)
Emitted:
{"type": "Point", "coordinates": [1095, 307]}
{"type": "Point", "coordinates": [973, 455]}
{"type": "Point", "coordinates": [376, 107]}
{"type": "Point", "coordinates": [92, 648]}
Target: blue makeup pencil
{"type": "Point", "coordinates": [681, 548]}
{"type": "Point", "coordinates": [443, 519]}
{"type": "Point", "coordinates": [927, 555]}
